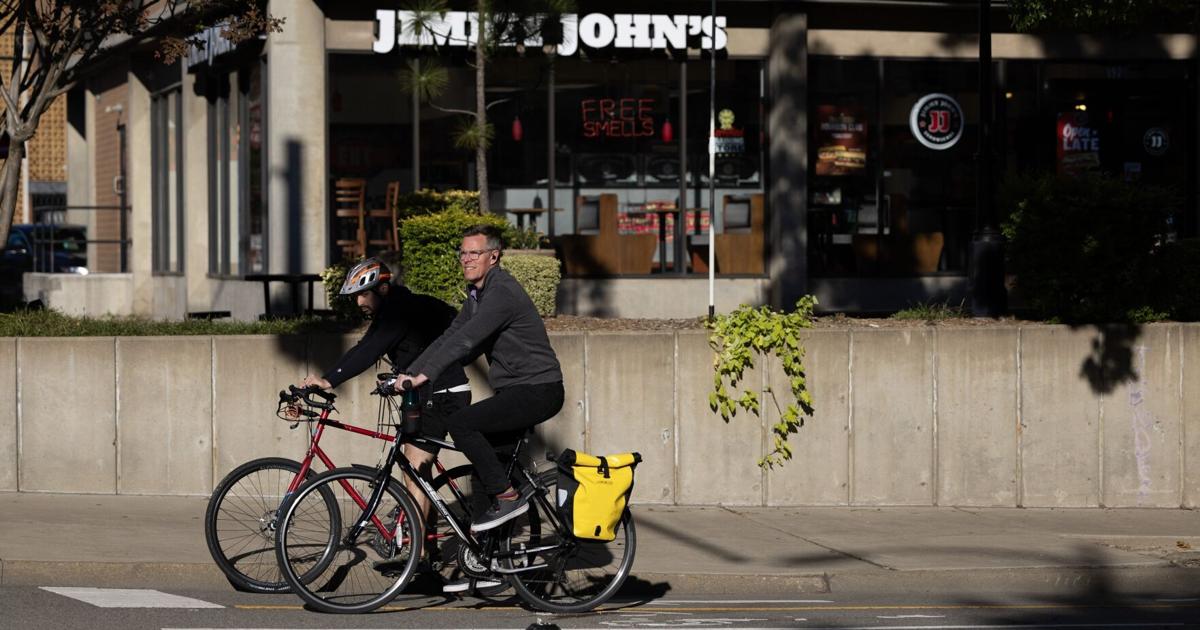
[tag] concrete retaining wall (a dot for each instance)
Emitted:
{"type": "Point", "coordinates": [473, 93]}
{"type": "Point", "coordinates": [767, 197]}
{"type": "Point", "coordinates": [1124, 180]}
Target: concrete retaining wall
{"type": "Point", "coordinates": [1038, 416]}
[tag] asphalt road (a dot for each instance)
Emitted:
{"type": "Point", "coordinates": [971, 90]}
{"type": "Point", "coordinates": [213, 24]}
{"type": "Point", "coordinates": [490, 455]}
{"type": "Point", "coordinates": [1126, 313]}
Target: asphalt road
{"type": "Point", "coordinates": [104, 609]}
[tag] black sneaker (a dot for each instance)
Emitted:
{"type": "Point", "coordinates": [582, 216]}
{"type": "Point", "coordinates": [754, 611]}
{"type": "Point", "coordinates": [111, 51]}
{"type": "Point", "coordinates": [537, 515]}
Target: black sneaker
{"type": "Point", "coordinates": [502, 512]}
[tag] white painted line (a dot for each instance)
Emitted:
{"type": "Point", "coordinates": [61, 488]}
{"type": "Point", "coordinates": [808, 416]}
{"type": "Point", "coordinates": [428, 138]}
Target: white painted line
{"type": "Point", "coordinates": [128, 598]}
{"type": "Point", "coordinates": [973, 627]}
{"type": "Point", "coordinates": [910, 616]}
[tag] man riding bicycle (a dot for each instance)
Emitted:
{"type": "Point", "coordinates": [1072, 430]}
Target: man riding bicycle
{"type": "Point", "coordinates": [403, 324]}
{"type": "Point", "coordinates": [499, 320]}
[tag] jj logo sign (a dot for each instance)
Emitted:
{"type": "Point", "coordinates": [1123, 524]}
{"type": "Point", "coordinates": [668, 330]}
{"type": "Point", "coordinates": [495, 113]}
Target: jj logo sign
{"type": "Point", "coordinates": [936, 121]}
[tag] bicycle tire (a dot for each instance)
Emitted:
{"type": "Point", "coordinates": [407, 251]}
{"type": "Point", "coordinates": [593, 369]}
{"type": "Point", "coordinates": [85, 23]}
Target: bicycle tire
{"type": "Point", "coordinates": [347, 581]}
{"type": "Point", "coordinates": [578, 578]}
{"type": "Point", "coordinates": [240, 522]}
{"type": "Point", "coordinates": [465, 499]}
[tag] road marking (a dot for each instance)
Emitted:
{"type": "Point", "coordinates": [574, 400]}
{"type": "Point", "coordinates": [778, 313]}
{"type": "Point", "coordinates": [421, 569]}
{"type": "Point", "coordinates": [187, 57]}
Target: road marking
{"type": "Point", "coordinates": [910, 616]}
{"type": "Point", "coordinates": [128, 598]}
{"type": "Point", "coordinates": [974, 627]}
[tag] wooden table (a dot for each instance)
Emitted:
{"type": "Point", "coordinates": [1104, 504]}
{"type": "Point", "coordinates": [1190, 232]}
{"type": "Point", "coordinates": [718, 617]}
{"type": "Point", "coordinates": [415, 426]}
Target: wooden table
{"type": "Point", "coordinates": [293, 280]}
{"type": "Point", "coordinates": [527, 212]}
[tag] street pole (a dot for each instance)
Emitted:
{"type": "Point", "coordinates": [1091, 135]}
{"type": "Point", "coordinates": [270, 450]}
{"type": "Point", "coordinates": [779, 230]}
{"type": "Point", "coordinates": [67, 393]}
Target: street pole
{"type": "Point", "coordinates": [550, 50]}
{"type": "Point", "coordinates": [987, 244]}
{"type": "Point", "coordinates": [712, 160]}
{"type": "Point", "coordinates": [416, 125]}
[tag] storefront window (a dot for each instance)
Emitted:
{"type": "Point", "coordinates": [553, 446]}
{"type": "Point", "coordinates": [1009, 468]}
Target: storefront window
{"type": "Point", "coordinates": [885, 200]}
{"type": "Point", "coordinates": [167, 186]}
{"type": "Point", "coordinates": [237, 161]}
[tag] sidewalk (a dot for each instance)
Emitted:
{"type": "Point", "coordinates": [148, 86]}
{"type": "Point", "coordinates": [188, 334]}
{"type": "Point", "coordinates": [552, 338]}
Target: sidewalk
{"type": "Point", "coordinates": [143, 541]}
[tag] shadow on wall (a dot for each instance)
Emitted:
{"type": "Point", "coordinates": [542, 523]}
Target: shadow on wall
{"type": "Point", "coordinates": [295, 348]}
{"type": "Point", "coordinates": [1110, 363]}
{"type": "Point", "coordinates": [590, 298]}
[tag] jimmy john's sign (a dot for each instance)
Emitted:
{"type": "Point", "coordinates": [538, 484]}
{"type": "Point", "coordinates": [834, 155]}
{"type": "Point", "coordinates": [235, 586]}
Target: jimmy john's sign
{"type": "Point", "coordinates": [594, 30]}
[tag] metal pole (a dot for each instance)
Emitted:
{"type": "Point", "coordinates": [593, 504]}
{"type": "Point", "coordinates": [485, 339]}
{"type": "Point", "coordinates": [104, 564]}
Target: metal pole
{"type": "Point", "coordinates": [551, 153]}
{"type": "Point", "coordinates": [987, 246]}
{"type": "Point", "coordinates": [712, 161]}
{"type": "Point", "coordinates": [683, 134]}
{"type": "Point", "coordinates": [416, 123]}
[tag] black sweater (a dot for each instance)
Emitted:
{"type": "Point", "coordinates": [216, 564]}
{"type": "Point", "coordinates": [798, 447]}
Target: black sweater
{"type": "Point", "coordinates": [404, 326]}
{"type": "Point", "coordinates": [501, 322]}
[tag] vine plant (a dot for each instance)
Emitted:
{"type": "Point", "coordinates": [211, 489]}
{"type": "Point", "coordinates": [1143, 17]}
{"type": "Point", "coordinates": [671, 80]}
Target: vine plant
{"type": "Point", "coordinates": [736, 338]}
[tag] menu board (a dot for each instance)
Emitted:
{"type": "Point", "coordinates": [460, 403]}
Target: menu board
{"type": "Point", "coordinates": [841, 140]}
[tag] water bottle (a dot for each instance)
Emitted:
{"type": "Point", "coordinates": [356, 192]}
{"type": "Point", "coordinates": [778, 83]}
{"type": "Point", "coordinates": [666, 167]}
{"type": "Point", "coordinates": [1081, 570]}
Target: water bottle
{"type": "Point", "coordinates": [410, 410]}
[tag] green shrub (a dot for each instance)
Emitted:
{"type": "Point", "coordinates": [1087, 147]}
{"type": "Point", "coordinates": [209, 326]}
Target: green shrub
{"type": "Point", "coordinates": [538, 275]}
{"type": "Point", "coordinates": [430, 245]}
{"type": "Point", "coordinates": [1083, 249]}
{"type": "Point", "coordinates": [51, 323]}
{"type": "Point", "coordinates": [332, 278]}
{"type": "Point", "coordinates": [932, 311]}
{"type": "Point", "coordinates": [426, 201]}
{"type": "Point", "coordinates": [529, 238]}
{"type": "Point", "coordinates": [1178, 286]}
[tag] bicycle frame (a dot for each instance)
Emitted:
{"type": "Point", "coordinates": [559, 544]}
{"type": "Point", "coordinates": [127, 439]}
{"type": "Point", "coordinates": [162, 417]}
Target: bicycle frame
{"type": "Point", "coordinates": [315, 452]}
{"type": "Point", "coordinates": [461, 530]}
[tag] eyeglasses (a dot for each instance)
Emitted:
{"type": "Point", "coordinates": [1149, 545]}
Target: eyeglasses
{"type": "Point", "coordinates": [472, 254]}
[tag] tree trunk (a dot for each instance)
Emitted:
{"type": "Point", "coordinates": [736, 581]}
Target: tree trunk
{"type": "Point", "coordinates": [481, 170]}
{"type": "Point", "coordinates": [10, 181]}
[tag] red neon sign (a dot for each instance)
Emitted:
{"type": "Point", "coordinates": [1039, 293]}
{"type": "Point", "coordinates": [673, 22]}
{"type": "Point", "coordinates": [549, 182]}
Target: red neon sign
{"type": "Point", "coordinates": [617, 117]}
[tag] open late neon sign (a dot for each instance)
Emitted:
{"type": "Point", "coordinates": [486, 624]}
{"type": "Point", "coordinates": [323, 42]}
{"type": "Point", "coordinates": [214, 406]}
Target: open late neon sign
{"type": "Point", "coordinates": [617, 117]}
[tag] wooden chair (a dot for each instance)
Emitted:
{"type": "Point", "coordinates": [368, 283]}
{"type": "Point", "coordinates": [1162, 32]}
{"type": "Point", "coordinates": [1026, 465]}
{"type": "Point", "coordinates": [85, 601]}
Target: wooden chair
{"type": "Point", "coordinates": [388, 235]}
{"type": "Point", "coordinates": [349, 201]}
{"type": "Point", "coordinates": [599, 249]}
{"type": "Point", "coordinates": [740, 244]}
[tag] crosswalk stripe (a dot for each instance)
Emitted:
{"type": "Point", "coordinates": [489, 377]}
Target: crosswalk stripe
{"type": "Point", "coordinates": [128, 597]}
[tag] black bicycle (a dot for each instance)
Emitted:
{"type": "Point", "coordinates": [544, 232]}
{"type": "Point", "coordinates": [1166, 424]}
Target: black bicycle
{"type": "Point", "coordinates": [360, 551]}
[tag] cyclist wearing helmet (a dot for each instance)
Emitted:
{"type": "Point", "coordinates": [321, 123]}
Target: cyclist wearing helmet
{"type": "Point", "coordinates": [499, 320]}
{"type": "Point", "coordinates": [403, 324]}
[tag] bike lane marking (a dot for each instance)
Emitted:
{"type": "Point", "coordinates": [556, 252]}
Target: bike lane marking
{"type": "Point", "coordinates": [128, 597]}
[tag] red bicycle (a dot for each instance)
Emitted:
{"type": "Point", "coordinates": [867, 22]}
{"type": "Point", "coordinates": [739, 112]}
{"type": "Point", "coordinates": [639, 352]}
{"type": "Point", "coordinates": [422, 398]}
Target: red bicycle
{"type": "Point", "coordinates": [242, 514]}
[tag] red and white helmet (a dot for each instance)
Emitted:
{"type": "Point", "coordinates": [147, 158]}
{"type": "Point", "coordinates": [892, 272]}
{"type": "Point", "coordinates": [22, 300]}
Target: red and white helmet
{"type": "Point", "coordinates": [365, 276]}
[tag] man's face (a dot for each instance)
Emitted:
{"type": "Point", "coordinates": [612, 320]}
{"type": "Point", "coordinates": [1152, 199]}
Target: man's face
{"type": "Point", "coordinates": [476, 258]}
{"type": "Point", "coordinates": [369, 301]}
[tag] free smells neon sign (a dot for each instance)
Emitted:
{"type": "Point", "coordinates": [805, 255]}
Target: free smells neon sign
{"type": "Point", "coordinates": [617, 117]}
{"type": "Point", "coordinates": [594, 30]}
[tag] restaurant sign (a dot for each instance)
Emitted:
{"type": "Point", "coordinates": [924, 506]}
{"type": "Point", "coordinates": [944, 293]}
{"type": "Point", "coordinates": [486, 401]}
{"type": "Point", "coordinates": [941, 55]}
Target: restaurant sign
{"type": "Point", "coordinates": [937, 121]}
{"type": "Point", "coordinates": [594, 30]}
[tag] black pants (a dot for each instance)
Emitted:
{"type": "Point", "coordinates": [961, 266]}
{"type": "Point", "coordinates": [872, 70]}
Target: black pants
{"type": "Point", "coordinates": [510, 409]}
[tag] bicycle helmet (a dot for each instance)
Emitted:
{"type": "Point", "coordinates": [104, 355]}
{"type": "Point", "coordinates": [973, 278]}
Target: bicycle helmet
{"type": "Point", "coordinates": [365, 276]}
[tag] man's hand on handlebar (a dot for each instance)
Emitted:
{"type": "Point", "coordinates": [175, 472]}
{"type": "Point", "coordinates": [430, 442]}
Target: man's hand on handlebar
{"type": "Point", "coordinates": [312, 380]}
{"type": "Point", "coordinates": [412, 381]}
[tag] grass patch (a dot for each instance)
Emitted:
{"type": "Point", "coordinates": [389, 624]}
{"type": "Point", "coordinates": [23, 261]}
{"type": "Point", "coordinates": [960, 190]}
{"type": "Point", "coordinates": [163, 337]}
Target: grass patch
{"type": "Point", "coordinates": [49, 323]}
{"type": "Point", "coordinates": [932, 312]}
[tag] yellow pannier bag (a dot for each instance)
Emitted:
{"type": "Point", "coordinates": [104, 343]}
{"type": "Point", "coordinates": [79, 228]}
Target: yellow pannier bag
{"type": "Point", "coordinates": [593, 492]}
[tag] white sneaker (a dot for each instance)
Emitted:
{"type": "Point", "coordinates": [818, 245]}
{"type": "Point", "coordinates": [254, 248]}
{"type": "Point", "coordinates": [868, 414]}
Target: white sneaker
{"type": "Point", "coordinates": [466, 584]}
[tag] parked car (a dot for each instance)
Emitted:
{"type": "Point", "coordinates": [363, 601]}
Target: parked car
{"type": "Point", "coordinates": [44, 248]}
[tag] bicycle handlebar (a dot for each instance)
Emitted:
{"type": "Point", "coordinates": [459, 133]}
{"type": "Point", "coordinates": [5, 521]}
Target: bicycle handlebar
{"type": "Point", "coordinates": [306, 393]}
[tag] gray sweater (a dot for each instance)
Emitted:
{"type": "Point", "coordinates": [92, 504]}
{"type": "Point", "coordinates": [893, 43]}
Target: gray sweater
{"type": "Point", "coordinates": [500, 322]}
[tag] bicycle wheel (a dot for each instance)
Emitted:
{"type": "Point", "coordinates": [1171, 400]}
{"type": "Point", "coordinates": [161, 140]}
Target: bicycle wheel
{"type": "Point", "coordinates": [463, 494]}
{"type": "Point", "coordinates": [579, 575]}
{"type": "Point", "coordinates": [240, 522]}
{"type": "Point", "coordinates": [335, 575]}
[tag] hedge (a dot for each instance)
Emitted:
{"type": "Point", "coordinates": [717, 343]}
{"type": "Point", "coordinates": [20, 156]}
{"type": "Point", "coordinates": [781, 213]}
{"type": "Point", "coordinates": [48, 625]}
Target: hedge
{"type": "Point", "coordinates": [539, 275]}
{"type": "Point", "coordinates": [51, 323]}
